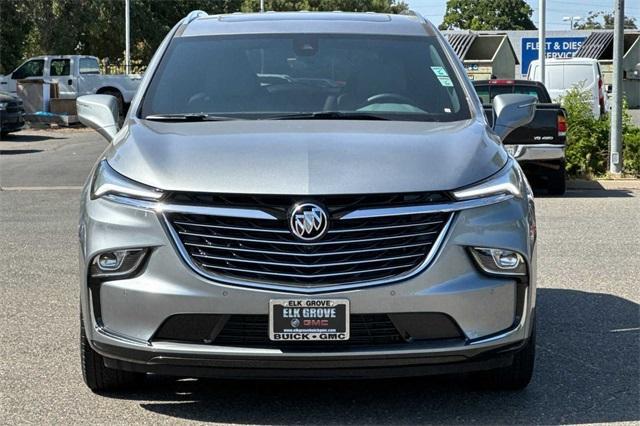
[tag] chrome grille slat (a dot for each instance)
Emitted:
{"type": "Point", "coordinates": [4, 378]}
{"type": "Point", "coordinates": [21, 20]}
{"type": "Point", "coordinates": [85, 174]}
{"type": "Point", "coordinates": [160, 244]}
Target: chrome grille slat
{"type": "Point", "coordinates": [304, 276]}
{"type": "Point", "coordinates": [297, 265]}
{"type": "Point", "coordinates": [259, 250]}
{"type": "Point", "coordinates": [379, 228]}
{"type": "Point", "coordinates": [233, 228]}
{"type": "Point", "coordinates": [252, 240]}
{"type": "Point", "coordinates": [286, 253]}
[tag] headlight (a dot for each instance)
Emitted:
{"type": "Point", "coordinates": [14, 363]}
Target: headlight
{"type": "Point", "coordinates": [3, 105]}
{"type": "Point", "coordinates": [508, 181]}
{"type": "Point", "coordinates": [107, 181]}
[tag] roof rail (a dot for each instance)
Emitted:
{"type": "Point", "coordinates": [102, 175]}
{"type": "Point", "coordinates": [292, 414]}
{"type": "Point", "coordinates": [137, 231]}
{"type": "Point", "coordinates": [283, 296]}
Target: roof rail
{"type": "Point", "coordinates": [194, 14]}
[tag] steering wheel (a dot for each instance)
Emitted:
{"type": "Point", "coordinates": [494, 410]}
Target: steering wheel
{"type": "Point", "coordinates": [389, 97]}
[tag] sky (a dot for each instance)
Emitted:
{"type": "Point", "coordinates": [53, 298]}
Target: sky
{"type": "Point", "coordinates": [556, 10]}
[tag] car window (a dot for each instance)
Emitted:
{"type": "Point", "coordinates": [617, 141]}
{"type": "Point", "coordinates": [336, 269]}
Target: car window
{"type": "Point", "coordinates": [60, 67]}
{"type": "Point", "coordinates": [89, 66]}
{"type": "Point", "coordinates": [488, 92]}
{"type": "Point", "coordinates": [33, 68]}
{"type": "Point", "coordinates": [554, 77]}
{"type": "Point", "coordinates": [256, 76]}
{"type": "Point", "coordinates": [576, 74]}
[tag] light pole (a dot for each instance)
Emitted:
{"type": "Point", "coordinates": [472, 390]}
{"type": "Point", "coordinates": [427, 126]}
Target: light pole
{"type": "Point", "coordinates": [541, 38]}
{"type": "Point", "coordinates": [571, 19]}
{"type": "Point", "coordinates": [127, 38]}
{"type": "Point", "coordinates": [261, 5]}
{"type": "Point", "coordinates": [615, 160]}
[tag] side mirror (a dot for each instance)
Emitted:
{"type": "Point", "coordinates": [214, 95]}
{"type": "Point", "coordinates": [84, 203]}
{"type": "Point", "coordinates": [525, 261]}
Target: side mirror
{"type": "Point", "coordinates": [512, 111]}
{"type": "Point", "coordinates": [99, 112]}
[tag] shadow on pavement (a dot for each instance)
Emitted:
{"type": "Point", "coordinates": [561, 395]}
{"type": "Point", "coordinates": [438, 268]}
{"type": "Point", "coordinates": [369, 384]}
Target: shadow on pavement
{"type": "Point", "coordinates": [19, 137]}
{"type": "Point", "coordinates": [19, 151]}
{"type": "Point", "coordinates": [587, 371]}
{"type": "Point", "coordinates": [589, 193]}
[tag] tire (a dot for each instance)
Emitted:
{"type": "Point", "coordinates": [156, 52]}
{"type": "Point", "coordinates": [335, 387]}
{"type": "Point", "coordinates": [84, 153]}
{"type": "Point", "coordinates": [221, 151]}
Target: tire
{"type": "Point", "coordinates": [116, 94]}
{"type": "Point", "coordinates": [515, 377]}
{"type": "Point", "coordinates": [99, 378]}
{"type": "Point", "coordinates": [557, 184]}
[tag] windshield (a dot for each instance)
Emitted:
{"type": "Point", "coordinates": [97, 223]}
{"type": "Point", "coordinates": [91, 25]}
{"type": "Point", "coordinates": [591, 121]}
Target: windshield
{"type": "Point", "coordinates": [266, 76]}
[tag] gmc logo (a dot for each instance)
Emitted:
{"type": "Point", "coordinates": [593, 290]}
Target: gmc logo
{"type": "Point", "coordinates": [315, 323]}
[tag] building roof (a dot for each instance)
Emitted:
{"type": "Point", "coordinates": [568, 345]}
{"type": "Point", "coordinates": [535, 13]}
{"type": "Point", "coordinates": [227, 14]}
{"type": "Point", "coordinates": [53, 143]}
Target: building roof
{"type": "Point", "coordinates": [595, 45]}
{"type": "Point", "coordinates": [461, 42]}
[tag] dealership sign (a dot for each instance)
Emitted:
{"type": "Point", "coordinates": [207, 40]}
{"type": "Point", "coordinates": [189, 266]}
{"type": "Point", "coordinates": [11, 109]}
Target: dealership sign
{"type": "Point", "coordinates": [556, 47]}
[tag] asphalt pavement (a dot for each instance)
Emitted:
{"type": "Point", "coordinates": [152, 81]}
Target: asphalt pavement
{"type": "Point", "coordinates": [588, 365]}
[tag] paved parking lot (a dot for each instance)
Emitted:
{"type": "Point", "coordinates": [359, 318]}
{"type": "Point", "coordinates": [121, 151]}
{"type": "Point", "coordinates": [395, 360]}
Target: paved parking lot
{"type": "Point", "coordinates": [588, 366]}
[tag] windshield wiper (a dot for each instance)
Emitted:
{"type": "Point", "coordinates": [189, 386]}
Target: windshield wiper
{"type": "Point", "coordinates": [329, 115]}
{"type": "Point", "coordinates": [194, 116]}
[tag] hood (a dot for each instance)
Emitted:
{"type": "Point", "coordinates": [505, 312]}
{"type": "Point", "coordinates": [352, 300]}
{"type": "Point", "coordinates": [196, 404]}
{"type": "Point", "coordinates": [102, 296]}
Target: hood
{"type": "Point", "coordinates": [306, 157]}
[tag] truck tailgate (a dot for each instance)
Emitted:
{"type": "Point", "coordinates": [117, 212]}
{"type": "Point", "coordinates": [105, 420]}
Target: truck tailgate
{"type": "Point", "coordinates": [542, 129]}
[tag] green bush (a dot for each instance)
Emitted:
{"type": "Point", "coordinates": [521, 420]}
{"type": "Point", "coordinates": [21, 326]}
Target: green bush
{"type": "Point", "coordinates": [587, 150]}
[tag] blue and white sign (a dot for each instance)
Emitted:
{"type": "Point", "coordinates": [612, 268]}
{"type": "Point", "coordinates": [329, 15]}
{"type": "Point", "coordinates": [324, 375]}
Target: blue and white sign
{"type": "Point", "coordinates": [556, 47]}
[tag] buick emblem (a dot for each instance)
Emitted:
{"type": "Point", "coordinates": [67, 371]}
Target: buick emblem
{"type": "Point", "coordinates": [295, 323]}
{"type": "Point", "coordinates": [308, 221]}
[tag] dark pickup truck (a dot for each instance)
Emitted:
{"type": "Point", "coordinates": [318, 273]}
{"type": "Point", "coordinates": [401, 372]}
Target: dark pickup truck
{"type": "Point", "coordinates": [538, 146]}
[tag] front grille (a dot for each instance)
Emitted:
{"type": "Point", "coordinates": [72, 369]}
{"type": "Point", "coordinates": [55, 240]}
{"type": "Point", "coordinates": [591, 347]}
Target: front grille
{"type": "Point", "coordinates": [253, 330]}
{"type": "Point", "coordinates": [352, 251]}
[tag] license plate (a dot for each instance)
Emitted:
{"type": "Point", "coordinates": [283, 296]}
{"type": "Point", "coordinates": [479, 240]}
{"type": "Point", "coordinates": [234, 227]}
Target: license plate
{"type": "Point", "coordinates": [309, 320]}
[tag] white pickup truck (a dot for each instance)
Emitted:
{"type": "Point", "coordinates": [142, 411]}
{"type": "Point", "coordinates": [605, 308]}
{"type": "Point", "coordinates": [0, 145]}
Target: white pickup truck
{"type": "Point", "coordinates": [76, 75]}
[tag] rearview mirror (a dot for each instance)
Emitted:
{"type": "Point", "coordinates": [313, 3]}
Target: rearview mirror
{"type": "Point", "coordinates": [512, 111]}
{"type": "Point", "coordinates": [99, 112]}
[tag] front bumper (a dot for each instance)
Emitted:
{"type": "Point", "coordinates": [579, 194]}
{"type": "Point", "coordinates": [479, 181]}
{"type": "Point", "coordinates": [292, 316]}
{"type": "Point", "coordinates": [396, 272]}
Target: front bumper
{"type": "Point", "coordinates": [11, 121]}
{"type": "Point", "coordinates": [541, 152]}
{"type": "Point", "coordinates": [494, 313]}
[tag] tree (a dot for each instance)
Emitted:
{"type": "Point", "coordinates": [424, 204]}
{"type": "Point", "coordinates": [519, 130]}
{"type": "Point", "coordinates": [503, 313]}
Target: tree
{"type": "Point", "coordinates": [386, 6]}
{"type": "Point", "coordinates": [593, 22]}
{"type": "Point", "coordinates": [96, 27]}
{"type": "Point", "coordinates": [485, 15]}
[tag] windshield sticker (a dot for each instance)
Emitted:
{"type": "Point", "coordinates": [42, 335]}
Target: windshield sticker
{"type": "Point", "coordinates": [445, 81]}
{"type": "Point", "coordinates": [439, 71]}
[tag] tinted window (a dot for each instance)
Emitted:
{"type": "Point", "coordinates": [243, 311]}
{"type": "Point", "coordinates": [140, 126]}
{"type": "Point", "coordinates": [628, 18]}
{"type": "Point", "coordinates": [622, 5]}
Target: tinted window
{"type": "Point", "coordinates": [576, 74]}
{"type": "Point", "coordinates": [487, 92]}
{"type": "Point", "coordinates": [33, 68]}
{"type": "Point", "coordinates": [60, 67]}
{"type": "Point", "coordinates": [89, 66]}
{"type": "Point", "coordinates": [554, 77]}
{"type": "Point", "coordinates": [403, 78]}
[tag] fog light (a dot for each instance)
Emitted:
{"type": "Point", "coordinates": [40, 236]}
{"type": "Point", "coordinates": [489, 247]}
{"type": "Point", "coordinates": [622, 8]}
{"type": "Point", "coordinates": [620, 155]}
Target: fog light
{"type": "Point", "coordinates": [117, 262]}
{"type": "Point", "coordinates": [499, 261]}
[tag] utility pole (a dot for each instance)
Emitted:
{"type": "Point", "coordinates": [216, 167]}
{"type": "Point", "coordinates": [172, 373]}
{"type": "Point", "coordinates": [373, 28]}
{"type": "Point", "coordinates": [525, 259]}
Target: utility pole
{"type": "Point", "coordinates": [127, 38]}
{"type": "Point", "coordinates": [615, 163]}
{"type": "Point", "coordinates": [541, 38]}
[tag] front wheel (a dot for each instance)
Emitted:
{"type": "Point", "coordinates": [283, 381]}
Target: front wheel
{"type": "Point", "coordinates": [557, 184]}
{"type": "Point", "coordinates": [515, 377]}
{"type": "Point", "coordinates": [99, 378]}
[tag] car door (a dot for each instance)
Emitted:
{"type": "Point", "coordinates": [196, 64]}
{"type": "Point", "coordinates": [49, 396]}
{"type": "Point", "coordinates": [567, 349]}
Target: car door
{"type": "Point", "coordinates": [88, 73]}
{"type": "Point", "coordinates": [60, 72]}
{"type": "Point", "coordinates": [30, 70]}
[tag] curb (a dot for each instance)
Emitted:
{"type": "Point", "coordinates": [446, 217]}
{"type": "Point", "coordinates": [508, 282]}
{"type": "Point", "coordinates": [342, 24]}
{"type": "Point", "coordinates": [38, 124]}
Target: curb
{"type": "Point", "coordinates": [603, 184]}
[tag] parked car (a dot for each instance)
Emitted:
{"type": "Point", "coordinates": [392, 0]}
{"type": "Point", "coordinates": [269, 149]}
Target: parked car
{"type": "Point", "coordinates": [370, 226]}
{"type": "Point", "coordinates": [562, 74]}
{"type": "Point", "coordinates": [76, 75]}
{"type": "Point", "coordinates": [538, 146]}
{"type": "Point", "coordinates": [11, 114]}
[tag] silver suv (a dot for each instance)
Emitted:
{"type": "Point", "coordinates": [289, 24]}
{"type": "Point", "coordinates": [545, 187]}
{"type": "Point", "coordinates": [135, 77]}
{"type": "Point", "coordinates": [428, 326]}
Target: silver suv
{"type": "Point", "coordinates": [306, 195]}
